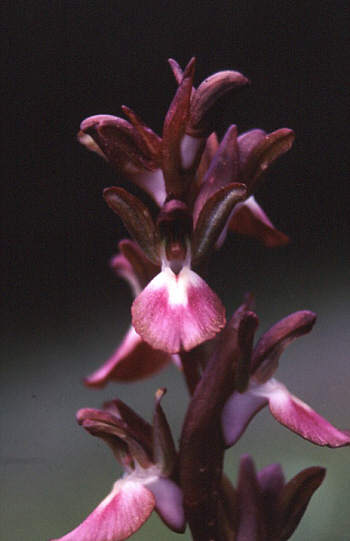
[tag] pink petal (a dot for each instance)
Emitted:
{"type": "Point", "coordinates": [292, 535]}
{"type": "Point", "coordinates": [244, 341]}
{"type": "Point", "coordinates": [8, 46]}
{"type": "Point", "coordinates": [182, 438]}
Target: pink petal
{"type": "Point", "coordinates": [248, 218]}
{"type": "Point", "coordinates": [134, 359]}
{"type": "Point", "coordinates": [176, 311]}
{"type": "Point", "coordinates": [237, 414]}
{"type": "Point", "coordinates": [299, 417]}
{"type": "Point", "coordinates": [118, 516]}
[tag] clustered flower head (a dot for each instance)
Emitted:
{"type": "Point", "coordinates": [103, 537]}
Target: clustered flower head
{"type": "Point", "coordinates": [203, 189]}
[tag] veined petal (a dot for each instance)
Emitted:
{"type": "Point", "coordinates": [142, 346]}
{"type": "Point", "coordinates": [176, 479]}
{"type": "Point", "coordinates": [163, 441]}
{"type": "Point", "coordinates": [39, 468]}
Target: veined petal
{"type": "Point", "coordinates": [177, 311]}
{"type": "Point", "coordinates": [137, 219]}
{"type": "Point", "coordinates": [249, 219]}
{"type": "Point", "coordinates": [238, 412]}
{"type": "Point", "coordinates": [299, 417]}
{"type": "Point", "coordinates": [213, 218]}
{"type": "Point", "coordinates": [133, 360]}
{"type": "Point", "coordinates": [118, 516]}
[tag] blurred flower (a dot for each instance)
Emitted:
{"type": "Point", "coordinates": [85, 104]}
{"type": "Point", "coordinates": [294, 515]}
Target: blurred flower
{"type": "Point", "coordinates": [148, 457]}
{"type": "Point", "coordinates": [268, 509]}
{"type": "Point", "coordinates": [259, 388]}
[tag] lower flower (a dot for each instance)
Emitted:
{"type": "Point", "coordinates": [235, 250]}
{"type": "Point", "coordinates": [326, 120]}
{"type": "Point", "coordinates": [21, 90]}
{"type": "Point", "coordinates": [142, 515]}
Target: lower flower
{"type": "Point", "coordinates": [147, 455]}
{"type": "Point", "coordinates": [263, 389]}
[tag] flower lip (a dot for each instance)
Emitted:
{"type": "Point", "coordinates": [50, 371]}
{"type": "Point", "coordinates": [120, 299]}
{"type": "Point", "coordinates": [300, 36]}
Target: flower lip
{"type": "Point", "coordinates": [177, 311]}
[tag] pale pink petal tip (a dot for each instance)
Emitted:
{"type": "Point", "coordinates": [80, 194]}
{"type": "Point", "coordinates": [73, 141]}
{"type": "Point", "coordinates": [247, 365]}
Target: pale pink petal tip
{"type": "Point", "coordinates": [299, 417]}
{"type": "Point", "coordinates": [118, 516]}
{"type": "Point", "coordinates": [133, 360]}
{"type": "Point", "coordinates": [177, 311]}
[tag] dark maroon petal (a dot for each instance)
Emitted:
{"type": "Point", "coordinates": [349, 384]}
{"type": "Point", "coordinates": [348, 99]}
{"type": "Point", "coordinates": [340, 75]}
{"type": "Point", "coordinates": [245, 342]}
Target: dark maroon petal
{"type": "Point", "coordinates": [249, 219]}
{"type": "Point", "coordinates": [246, 142]}
{"type": "Point", "coordinates": [121, 143]}
{"type": "Point", "coordinates": [113, 431]}
{"type": "Point", "coordinates": [137, 427]}
{"type": "Point", "coordinates": [176, 181]}
{"type": "Point", "coordinates": [213, 218]}
{"type": "Point", "coordinates": [164, 452]}
{"type": "Point", "coordinates": [137, 220]}
{"type": "Point", "coordinates": [118, 516]}
{"type": "Point", "coordinates": [177, 311]}
{"type": "Point", "coordinates": [119, 422]}
{"type": "Point", "coordinates": [152, 142]}
{"type": "Point", "coordinates": [296, 496]}
{"type": "Point", "coordinates": [133, 151]}
{"type": "Point", "coordinates": [209, 100]}
{"type": "Point", "coordinates": [250, 512]}
{"type": "Point", "coordinates": [271, 480]}
{"type": "Point", "coordinates": [263, 155]}
{"type": "Point", "coordinates": [222, 171]}
{"type": "Point", "coordinates": [272, 343]}
{"type": "Point", "coordinates": [246, 333]}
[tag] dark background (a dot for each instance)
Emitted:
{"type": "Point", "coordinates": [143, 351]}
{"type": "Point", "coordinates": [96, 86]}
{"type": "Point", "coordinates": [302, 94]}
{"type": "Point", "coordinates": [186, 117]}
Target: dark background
{"type": "Point", "coordinates": [64, 61]}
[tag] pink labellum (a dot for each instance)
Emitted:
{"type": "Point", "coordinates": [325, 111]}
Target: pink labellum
{"type": "Point", "coordinates": [177, 311]}
{"type": "Point", "coordinates": [118, 516]}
